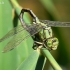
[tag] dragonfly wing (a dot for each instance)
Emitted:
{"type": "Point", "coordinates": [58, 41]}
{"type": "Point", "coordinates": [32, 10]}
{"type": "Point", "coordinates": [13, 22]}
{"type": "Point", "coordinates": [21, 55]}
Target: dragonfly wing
{"type": "Point", "coordinates": [18, 38]}
{"type": "Point", "coordinates": [12, 32]}
{"type": "Point", "coordinates": [34, 28]}
{"type": "Point", "coordinates": [56, 23]}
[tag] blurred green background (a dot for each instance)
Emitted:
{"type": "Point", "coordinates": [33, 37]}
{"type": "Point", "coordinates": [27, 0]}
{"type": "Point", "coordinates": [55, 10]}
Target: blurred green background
{"type": "Point", "coordinates": [56, 10]}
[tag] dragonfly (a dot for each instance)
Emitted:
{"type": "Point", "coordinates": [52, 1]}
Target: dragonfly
{"type": "Point", "coordinates": [40, 29]}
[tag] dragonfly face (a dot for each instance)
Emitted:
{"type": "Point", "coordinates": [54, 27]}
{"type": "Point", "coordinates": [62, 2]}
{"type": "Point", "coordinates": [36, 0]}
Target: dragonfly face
{"type": "Point", "coordinates": [44, 31]}
{"type": "Point", "coordinates": [52, 43]}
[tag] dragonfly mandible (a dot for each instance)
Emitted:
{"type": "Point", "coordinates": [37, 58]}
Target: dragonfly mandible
{"type": "Point", "coordinates": [40, 27]}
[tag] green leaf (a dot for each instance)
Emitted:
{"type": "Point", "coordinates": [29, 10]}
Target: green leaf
{"type": "Point", "coordinates": [26, 45]}
{"type": "Point", "coordinates": [8, 61]}
{"type": "Point", "coordinates": [18, 8]}
{"type": "Point", "coordinates": [30, 62]}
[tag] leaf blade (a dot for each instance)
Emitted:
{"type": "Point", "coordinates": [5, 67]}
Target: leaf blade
{"type": "Point", "coordinates": [30, 62]}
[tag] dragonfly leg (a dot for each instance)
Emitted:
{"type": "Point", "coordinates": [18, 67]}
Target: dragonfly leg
{"type": "Point", "coordinates": [47, 47]}
{"type": "Point", "coordinates": [40, 45]}
{"type": "Point", "coordinates": [36, 44]}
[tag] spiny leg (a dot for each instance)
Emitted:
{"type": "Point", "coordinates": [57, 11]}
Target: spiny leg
{"type": "Point", "coordinates": [40, 45]}
{"type": "Point", "coordinates": [47, 47]}
{"type": "Point", "coordinates": [37, 44]}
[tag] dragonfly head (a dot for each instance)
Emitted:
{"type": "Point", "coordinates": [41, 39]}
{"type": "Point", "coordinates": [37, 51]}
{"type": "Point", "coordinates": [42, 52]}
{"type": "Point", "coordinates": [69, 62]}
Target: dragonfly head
{"type": "Point", "coordinates": [52, 43]}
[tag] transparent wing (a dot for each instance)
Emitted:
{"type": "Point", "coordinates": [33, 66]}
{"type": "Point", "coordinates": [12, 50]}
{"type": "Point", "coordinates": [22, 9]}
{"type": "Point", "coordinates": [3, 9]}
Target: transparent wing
{"type": "Point", "coordinates": [17, 30]}
{"type": "Point", "coordinates": [18, 38]}
{"type": "Point", "coordinates": [12, 32]}
{"type": "Point", "coordinates": [56, 23]}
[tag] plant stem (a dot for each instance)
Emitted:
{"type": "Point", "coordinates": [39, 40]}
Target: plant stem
{"type": "Point", "coordinates": [51, 59]}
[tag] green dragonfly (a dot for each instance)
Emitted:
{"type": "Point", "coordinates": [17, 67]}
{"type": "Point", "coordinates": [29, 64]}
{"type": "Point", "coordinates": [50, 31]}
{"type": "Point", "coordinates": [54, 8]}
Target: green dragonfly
{"type": "Point", "coordinates": [40, 31]}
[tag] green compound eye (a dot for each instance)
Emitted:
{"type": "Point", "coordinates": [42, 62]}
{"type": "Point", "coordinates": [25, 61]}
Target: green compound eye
{"type": "Point", "coordinates": [55, 43]}
{"type": "Point", "coordinates": [52, 43]}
